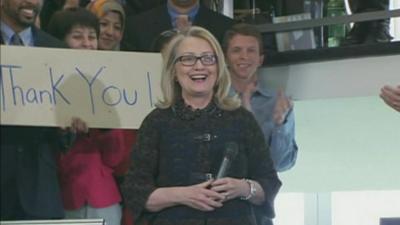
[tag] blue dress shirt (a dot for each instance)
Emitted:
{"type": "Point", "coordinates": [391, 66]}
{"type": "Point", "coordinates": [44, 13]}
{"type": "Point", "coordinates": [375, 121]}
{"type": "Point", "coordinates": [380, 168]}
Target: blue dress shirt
{"type": "Point", "coordinates": [25, 35]}
{"type": "Point", "coordinates": [174, 14]}
{"type": "Point", "coordinates": [280, 138]}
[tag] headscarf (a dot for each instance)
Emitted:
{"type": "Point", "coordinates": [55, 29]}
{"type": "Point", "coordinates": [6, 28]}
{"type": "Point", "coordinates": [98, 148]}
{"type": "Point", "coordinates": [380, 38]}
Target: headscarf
{"type": "Point", "coordinates": [102, 7]}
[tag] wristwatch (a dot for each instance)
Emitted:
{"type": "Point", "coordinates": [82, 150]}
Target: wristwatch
{"type": "Point", "coordinates": [253, 190]}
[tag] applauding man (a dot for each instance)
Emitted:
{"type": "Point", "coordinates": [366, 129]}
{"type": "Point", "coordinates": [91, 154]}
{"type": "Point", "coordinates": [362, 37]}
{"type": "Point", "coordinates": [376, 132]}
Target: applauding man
{"type": "Point", "coordinates": [273, 110]}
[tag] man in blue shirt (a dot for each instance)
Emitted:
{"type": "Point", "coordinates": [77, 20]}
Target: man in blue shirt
{"type": "Point", "coordinates": [273, 110]}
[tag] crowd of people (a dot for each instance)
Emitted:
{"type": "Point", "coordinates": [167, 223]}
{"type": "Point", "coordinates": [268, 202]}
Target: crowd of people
{"type": "Point", "coordinates": [212, 105]}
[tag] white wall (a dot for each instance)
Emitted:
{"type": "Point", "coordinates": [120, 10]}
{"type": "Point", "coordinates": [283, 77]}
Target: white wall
{"type": "Point", "coordinates": [346, 135]}
{"type": "Point", "coordinates": [359, 77]}
{"type": "Point", "coordinates": [349, 142]}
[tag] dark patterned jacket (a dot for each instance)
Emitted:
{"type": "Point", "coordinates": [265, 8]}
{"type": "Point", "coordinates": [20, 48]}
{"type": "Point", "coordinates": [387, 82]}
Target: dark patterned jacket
{"type": "Point", "coordinates": [178, 146]}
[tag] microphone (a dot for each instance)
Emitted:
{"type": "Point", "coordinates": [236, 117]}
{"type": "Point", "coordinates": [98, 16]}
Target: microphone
{"type": "Point", "coordinates": [231, 150]}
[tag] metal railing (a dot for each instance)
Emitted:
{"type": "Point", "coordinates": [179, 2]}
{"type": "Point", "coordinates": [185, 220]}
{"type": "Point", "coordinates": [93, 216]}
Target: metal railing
{"type": "Point", "coordinates": [306, 24]}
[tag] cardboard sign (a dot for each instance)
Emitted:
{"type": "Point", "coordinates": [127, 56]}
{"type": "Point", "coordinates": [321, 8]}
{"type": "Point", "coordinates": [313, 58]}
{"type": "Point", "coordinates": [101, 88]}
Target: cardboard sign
{"type": "Point", "coordinates": [47, 87]}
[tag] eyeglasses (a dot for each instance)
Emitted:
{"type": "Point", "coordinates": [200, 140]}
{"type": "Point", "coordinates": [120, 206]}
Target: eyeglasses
{"type": "Point", "coordinates": [190, 60]}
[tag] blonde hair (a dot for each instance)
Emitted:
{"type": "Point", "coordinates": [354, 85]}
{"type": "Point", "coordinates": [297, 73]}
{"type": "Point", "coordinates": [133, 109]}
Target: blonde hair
{"type": "Point", "coordinates": [172, 90]}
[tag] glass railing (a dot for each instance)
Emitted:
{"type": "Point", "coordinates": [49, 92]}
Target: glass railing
{"type": "Point", "coordinates": [307, 37]}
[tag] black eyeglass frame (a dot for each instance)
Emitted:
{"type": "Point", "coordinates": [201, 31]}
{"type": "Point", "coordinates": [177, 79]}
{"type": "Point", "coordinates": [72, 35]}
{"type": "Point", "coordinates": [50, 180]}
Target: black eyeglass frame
{"type": "Point", "coordinates": [202, 59]}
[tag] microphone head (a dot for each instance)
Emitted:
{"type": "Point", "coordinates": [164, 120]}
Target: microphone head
{"type": "Point", "coordinates": [231, 150]}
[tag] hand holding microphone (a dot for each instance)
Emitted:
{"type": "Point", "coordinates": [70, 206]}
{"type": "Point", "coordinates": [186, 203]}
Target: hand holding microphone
{"type": "Point", "coordinates": [229, 187]}
{"type": "Point", "coordinates": [231, 150]}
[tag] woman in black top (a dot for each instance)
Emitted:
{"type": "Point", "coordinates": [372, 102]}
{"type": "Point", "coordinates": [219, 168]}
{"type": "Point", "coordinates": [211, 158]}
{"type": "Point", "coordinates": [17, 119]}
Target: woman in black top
{"type": "Point", "coordinates": [183, 141]}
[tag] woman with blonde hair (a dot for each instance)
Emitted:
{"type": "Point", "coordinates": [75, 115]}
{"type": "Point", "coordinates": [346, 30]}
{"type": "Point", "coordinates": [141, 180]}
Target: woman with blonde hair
{"type": "Point", "coordinates": [182, 143]}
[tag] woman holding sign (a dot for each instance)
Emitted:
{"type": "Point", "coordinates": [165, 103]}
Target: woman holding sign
{"type": "Point", "coordinates": [111, 17]}
{"type": "Point", "coordinates": [87, 168]}
{"type": "Point", "coordinates": [198, 132]}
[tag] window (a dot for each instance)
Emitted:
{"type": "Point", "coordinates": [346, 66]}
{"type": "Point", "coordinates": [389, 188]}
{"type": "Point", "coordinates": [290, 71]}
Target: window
{"type": "Point", "coordinates": [289, 208]}
{"type": "Point", "coordinates": [395, 22]}
{"type": "Point", "coordinates": [364, 207]}
{"type": "Point", "coordinates": [336, 208]}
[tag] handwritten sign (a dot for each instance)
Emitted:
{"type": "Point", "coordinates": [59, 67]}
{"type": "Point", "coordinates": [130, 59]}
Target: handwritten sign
{"type": "Point", "coordinates": [46, 87]}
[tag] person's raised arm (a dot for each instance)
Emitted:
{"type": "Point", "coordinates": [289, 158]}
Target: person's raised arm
{"type": "Point", "coordinates": [391, 96]}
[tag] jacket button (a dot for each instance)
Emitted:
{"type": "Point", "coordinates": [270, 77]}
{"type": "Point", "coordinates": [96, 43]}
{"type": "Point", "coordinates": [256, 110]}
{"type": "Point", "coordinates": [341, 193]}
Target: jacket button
{"type": "Point", "coordinates": [20, 149]}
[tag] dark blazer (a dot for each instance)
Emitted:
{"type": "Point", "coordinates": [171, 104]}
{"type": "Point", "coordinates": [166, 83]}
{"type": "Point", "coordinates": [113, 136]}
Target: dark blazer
{"type": "Point", "coordinates": [28, 168]}
{"type": "Point", "coordinates": [141, 30]}
{"type": "Point", "coordinates": [43, 39]}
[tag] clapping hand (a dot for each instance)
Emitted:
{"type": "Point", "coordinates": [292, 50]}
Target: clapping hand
{"type": "Point", "coordinates": [248, 93]}
{"type": "Point", "coordinates": [283, 106]}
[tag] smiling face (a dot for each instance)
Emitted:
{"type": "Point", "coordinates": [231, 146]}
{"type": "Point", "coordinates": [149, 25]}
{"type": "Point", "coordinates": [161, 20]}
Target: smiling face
{"type": "Point", "coordinates": [243, 57]}
{"type": "Point", "coordinates": [81, 37]}
{"type": "Point", "coordinates": [184, 3]}
{"type": "Point", "coordinates": [110, 31]}
{"type": "Point", "coordinates": [20, 14]}
{"type": "Point", "coordinates": [197, 80]}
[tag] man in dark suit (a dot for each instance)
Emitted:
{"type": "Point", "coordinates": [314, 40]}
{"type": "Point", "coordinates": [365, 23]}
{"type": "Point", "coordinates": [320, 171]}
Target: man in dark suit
{"type": "Point", "coordinates": [142, 30]}
{"type": "Point", "coordinates": [134, 7]}
{"type": "Point", "coordinates": [29, 184]}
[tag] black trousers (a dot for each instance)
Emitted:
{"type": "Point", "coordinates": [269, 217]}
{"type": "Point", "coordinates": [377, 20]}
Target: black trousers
{"type": "Point", "coordinates": [369, 31]}
{"type": "Point", "coordinates": [288, 7]}
{"type": "Point", "coordinates": [358, 6]}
